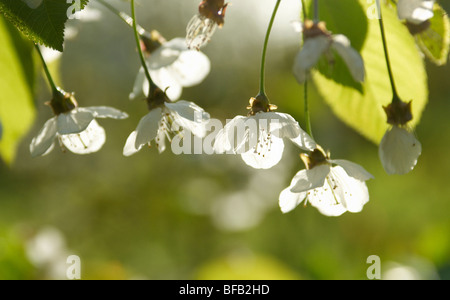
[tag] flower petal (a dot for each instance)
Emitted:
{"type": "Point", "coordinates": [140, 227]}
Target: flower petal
{"type": "Point", "coordinates": [166, 54]}
{"type": "Point", "coordinates": [265, 154]}
{"type": "Point", "coordinates": [353, 170]}
{"type": "Point", "coordinates": [326, 200]}
{"type": "Point", "coordinates": [310, 179]}
{"type": "Point", "coordinates": [199, 31]}
{"type": "Point", "coordinates": [141, 86]}
{"type": "Point", "coordinates": [399, 151]}
{"type": "Point", "coordinates": [105, 112]}
{"type": "Point", "coordinates": [415, 11]}
{"type": "Point", "coordinates": [351, 192]}
{"type": "Point", "coordinates": [74, 121]}
{"type": "Point", "coordinates": [148, 127]}
{"type": "Point", "coordinates": [88, 141]}
{"type": "Point", "coordinates": [288, 200]}
{"type": "Point", "coordinates": [130, 145]}
{"type": "Point", "coordinates": [226, 137]}
{"type": "Point", "coordinates": [190, 116]}
{"type": "Point", "coordinates": [309, 55]}
{"type": "Point", "coordinates": [166, 81]}
{"type": "Point", "coordinates": [350, 56]}
{"type": "Point", "coordinates": [191, 68]}
{"type": "Point", "coordinates": [45, 139]}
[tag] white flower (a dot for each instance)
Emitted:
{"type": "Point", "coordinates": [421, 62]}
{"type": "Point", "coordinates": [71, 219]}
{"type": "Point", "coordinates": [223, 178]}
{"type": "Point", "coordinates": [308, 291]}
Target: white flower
{"type": "Point", "coordinates": [318, 42]}
{"type": "Point", "coordinates": [415, 11]}
{"type": "Point", "coordinates": [332, 186]}
{"type": "Point", "coordinates": [259, 138]}
{"type": "Point", "coordinates": [199, 31]}
{"type": "Point", "coordinates": [399, 150]}
{"type": "Point", "coordinates": [202, 26]}
{"type": "Point", "coordinates": [77, 130]}
{"type": "Point", "coordinates": [164, 121]}
{"type": "Point", "coordinates": [172, 66]}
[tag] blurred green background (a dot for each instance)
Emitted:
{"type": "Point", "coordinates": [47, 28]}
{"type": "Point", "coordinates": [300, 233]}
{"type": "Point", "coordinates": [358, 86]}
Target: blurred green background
{"type": "Point", "coordinates": [153, 216]}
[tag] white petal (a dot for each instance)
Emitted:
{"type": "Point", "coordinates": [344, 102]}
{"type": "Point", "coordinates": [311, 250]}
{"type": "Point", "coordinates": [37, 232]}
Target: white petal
{"type": "Point", "coordinates": [148, 127]}
{"type": "Point", "coordinates": [191, 68]}
{"type": "Point", "coordinates": [305, 142]}
{"type": "Point", "coordinates": [415, 11]}
{"type": "Point", "coordinates": [399, 151]}
{"type": "Point", "coordinates": [307, 58]}
{"type": "Point", "coordinates": [352, 193]}
{"type": "Point", "coordinates": [288, 200]}
{"type": "Point", "coordinates": [130, 145]}
{"type": "Point", "coordinates": [161, 140]}
{"type": "Point", "coordinates": [74, 121]}
{"type": "Point", "coordinates": [226, 137]}
{"type": "Point", "coordinates": [190, 116]}
{"type": "Point", "coordinates": [353, 170]}
{"type": "Point", "coordinates": [45, 139]}
{"type": "Point", "coordinates": [88, 141]}
{"type": "Point", "coordinates": [350, 56]}
{"type": "Point", "coordinates": [306, 180]}
{"type": "Point", "coordinates": [199, 31]}
{"type": "Point", "coordinates": [141, 86]}
{"type": "Point", "coordinates": [166, 81]}
{"type": "Point", "coordinates": [105, 112]}
{"type": "Point", "coordinates": [266, 154]}
{"type": "Point", "coordinates": [326, 200]}
{"type": "Point", "coordinates": [285, 126]}
{"type": "Point", "coordinates": [166, 54]}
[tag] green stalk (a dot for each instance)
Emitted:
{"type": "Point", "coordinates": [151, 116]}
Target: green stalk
{"type": "Point", "coordinates": [138, 44]}
{"type": "Point", "coordinates": [306, 107]}
{"type": "Point", "coordinates": [264, 53]}
{"type": "Point", "coordinates": [47, 72]}
{"type": "Point", "coordinates": [316, 11]}
{"type": "Point", "coordinates": [395, 98]}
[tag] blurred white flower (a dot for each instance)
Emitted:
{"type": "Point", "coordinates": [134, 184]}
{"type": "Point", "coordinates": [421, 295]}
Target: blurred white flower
{"type": "Point", "coordinates": [332, 186]}
{"type": "Point", "coordinates": [399, 150]}
{"type": "Point", "coordinates": [88, 14]}
{"type": "Point", "coordinates": [164, 121]}
{"type": "Point", "coordinates": [202, 26]}
{"type": "Point", "coordinates": [47, 251]}
{"type": "Point", "coordinates": [259, 137]}
{"type": "Point", "coordinates": [318, 42]}
{"type": "Point", "coordinates": [172, 66]}
{"type": "Point", "coordinates": [74, 128]}
{"type": "Point", "coordinates": [415, 11]}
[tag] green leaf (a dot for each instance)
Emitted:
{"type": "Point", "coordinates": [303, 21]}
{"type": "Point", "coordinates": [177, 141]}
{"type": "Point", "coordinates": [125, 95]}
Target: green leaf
{"type": "Point", "coordinates": [17, 111]}
{"type": "Point", "coordinates": [361, 106]}
{"type": "Point", "coordinates": [42, 21]}
{"type": "Point", "coordinates": [434, 42]}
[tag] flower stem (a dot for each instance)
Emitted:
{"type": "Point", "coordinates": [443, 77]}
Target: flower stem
{"type": "Point", "coordinates": [386, 54]}
{"type": "Point", "coordinates": [264, 53]}
{"type": "Point", "coordinates": [306, 107]}
{"type": "Point", "coordinates": [47, 72]}
{"type": "Point", "coordinates": [123, 16]}
{"type": "Point", "coordinates": [138, 44]}
{"type": "Point", "coordinates": [316, 11]}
